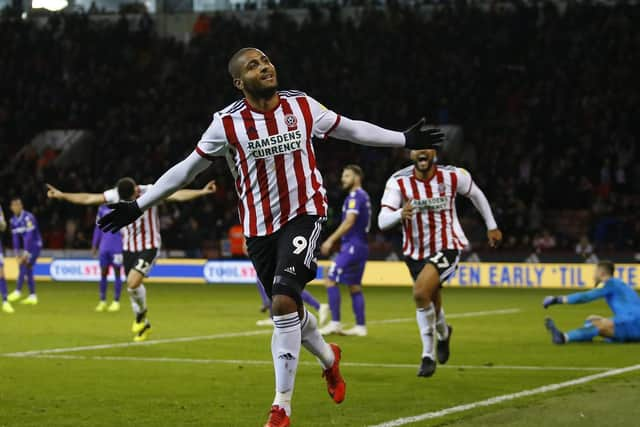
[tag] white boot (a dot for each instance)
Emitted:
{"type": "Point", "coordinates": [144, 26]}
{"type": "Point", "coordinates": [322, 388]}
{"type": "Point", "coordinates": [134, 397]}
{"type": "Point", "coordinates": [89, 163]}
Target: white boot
{"type": "Point", "coordinates": [332, 327]}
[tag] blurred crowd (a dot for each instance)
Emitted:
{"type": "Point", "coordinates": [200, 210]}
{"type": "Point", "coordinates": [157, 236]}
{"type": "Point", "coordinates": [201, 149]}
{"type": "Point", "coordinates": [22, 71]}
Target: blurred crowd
{"type": "Point", "coordinates": [546, 101]}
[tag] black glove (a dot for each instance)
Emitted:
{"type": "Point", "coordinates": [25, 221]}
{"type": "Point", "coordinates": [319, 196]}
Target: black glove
{"type": "Point", "coordinates": [418, 137]}
{"type": "Point", "coordinates": [551, 301]}
{"type": "Point", "coordinates": [122, 214]}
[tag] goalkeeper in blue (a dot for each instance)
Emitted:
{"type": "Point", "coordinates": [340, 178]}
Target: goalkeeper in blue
{"type": "Point", "coordinates": [623, 301]}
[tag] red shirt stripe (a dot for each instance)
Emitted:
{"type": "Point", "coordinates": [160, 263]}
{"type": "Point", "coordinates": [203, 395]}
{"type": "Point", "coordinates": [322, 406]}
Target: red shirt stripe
{"type": "Point", "coordinates": [281, 173]}
{"type": "Point", "coordinates": [261, 171]}
{"type": "Point", "coordinates": [454, 191]}
{"type": "Point", "coordinates": [432, 224]}
{"type": "Point", "coordinates": [232, 137]}
{"type": "Point", "coordinates": [335, 125]}
{"type": "Point", "coordinates": [308, 121]}
{"type": "Point", "coordinates": [151, 235]}
{"type": "Point", "coordinates": [443, 215]}
{"type": "Point", "coordinates": [203, 154]}
{"type": "Point", "coordinates": [408, 243]}
{"type": "Point", "coordinates": [416, 196]}
{"type": "Point", "coordinates": [297, 164]}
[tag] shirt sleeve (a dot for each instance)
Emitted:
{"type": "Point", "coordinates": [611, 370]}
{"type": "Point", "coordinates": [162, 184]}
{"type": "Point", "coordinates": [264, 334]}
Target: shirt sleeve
{"type": "Point", "coordinates": [353, 204]}
{"type": "Point", "coordinates": [465, 182]}
{"type": "Point", "coordinates": [213, 142]}
{"type": "Point", "coordinates": [588, 296]}
{"type": "Point", "coordinates": [392, 197]}
{"type": "Point", "coordinates": [324, 119]}
{"type": "Point", "coordinates": [144, 188]}
{"type": "Point", "coordinates": [111, 196]}
{"type": "Point", "coordinates": [467, 188]}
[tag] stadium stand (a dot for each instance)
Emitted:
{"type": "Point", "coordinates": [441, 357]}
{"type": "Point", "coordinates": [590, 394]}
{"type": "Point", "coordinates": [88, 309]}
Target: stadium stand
{"type": "Point", "coordinates": [547, 101]}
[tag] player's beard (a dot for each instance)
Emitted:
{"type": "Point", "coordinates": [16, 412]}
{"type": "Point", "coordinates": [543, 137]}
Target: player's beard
{"type": "Point", "coordinates": [258, 91]}
{"type": "Point", "coordinates": [425, 169]}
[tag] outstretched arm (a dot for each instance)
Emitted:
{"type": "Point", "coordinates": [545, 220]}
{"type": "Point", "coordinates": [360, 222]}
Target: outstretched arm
{"type": "Point", "coordinates": [188, 194]}
{"type": "Point", "coordinates": [587, 296]}
{"type": "Point", "coordinates": [365, 133]}
{"type": "Point", "coordinates": [578, 297]}
{"type": "Point", "coordinates": [77, 198]}
{"type": "Point", "coordinates": [175, 178]}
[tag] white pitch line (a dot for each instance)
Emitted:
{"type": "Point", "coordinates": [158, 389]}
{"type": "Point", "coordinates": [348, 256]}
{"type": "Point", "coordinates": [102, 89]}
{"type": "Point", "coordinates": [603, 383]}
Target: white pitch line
{"type": "Point", "coordinates": [505, 398]}
{"type": "Point", "coordinates": [137, 344]}
{"type": "Point", "coordinates": [269, 363]}
{"type": "Point", "coordinates": [226, 335]}
{"type": "Point", "coordinates": [449, 316]}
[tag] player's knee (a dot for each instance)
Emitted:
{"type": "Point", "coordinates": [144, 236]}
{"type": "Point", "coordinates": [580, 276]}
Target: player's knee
{"type": "Point", "coordinates": [133, 281]}
{"type": "Point", "coordinates": [285, 298]}
{"type": "Point", "coordinates": [330, 283]}
{"type": "Point", "coordinates": [283, 304]}
{"type": "Point", "coordinates": [354, 289]}
{"type": "Point", "coordinates": [605, 327]}
{"type": "Point", "coordinates": [424, 292]}
{"type": "Point", "coordinates": [421, 297]}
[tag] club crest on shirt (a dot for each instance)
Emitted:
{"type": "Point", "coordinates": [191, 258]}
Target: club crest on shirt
{"type": "Point", "coordinates": [441, 188]}
{"type": "Point", "coordinates": [291, 121]}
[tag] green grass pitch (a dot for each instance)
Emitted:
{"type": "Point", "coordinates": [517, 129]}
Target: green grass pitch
{"type": "Point", "coordinates": [219, 380]}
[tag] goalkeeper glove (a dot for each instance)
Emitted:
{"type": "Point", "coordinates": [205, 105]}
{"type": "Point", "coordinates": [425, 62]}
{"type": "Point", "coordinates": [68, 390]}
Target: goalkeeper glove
{"type": "Point", "coordinates": [418, 137]}
{"type": "Point", "coordinates": [551, 301]}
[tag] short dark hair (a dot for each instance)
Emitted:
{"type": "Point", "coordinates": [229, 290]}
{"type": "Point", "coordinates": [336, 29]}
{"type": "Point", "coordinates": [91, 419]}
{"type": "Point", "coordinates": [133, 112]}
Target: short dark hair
{"type": "Point", "coordinates": [16, 199]}
{"type": "Point", "coordinates": [232, 66]}
{"type": "Point", "coordinates": [355, 169]}
{"type": "Point", "coordinates": [126, 188]}
{"type": "Point", "coordinates": [608, 266]}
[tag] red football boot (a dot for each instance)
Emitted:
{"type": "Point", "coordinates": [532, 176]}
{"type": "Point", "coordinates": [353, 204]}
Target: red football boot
{"type": "Point", "coordinates": [336, 386]}
{"type": "Point", "coordinates": [277, 417]}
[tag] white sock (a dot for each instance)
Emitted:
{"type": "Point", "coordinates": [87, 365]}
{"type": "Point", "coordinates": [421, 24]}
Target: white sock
{"type": "Point", "coordinates": [312, 340]}
{"type": "Point", "coordinates": [441, 326]}
{"type": "Point", "coordinates": [426, 319]}
{"type": "Point", "coordinates": [285, 348]}
{"type": "Point", "coordinates": [138, 297]}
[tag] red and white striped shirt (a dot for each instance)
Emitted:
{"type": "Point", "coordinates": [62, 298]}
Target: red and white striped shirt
{"type": "Point", "coordinates": [272, 159]}
{"type": "Point", "coordinates": [435, 224]}
{"type": "Point", "coordinates": [142, 234]}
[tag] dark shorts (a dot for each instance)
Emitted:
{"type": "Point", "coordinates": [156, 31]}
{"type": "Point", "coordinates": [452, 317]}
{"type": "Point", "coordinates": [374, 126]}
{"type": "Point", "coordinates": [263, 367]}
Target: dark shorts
{"type": "Point", "coordinates": [348, 266]}
{"type": "Point", "coordinates": [287, 260]}
{"type": "Point", "coordinates": [141, 261]}
{"type": "Point", "coordinates": [445, 261]}
{"type": "Point", "coordinates": [108, 258]}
